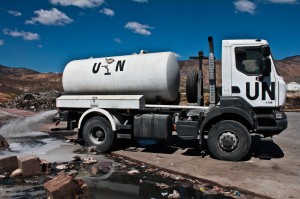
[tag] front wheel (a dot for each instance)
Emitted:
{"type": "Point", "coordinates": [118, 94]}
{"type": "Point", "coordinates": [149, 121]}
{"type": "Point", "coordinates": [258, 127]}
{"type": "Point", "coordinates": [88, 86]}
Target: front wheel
{"type": "Point", "coordinates": [229, 140]}
{"type": "Point", "coordinates": [97, 132]}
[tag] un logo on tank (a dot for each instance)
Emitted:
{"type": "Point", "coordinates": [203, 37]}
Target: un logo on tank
{"type": "Point", "coordinates": [119, 66]}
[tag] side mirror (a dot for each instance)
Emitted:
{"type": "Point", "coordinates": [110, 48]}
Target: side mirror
{"type": "Point", "coordinates": [265, 50]}
{"type": "Point", "coordinates": [266, 66]}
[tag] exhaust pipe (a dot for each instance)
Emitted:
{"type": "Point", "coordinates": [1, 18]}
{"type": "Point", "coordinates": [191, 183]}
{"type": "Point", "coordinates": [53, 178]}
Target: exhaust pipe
{"type": "Point", "coordinates": [212, 73]}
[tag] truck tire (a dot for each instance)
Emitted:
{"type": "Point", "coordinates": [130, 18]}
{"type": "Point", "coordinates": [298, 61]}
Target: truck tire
{"type": "Point", "coordinates": [97, 132]}
{"type": "Point", "coordinates": [191, 86]}
{"type": "Point", "coordinates": [229, 140]}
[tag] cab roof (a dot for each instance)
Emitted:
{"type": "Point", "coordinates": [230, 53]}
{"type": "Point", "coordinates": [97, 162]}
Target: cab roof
{"type": "Point", "coordinates": [244, 42]}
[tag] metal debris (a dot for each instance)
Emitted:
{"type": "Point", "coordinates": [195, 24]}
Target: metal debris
{"type": "Point", "coordinates": [174, 195]}
{"type": "Point", "coordinates": [133, 172]}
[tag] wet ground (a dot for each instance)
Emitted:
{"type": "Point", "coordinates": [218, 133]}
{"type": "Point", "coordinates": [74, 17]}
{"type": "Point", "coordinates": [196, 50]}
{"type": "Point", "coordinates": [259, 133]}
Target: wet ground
{"type": "Point", "coordinates": [113, 181]}
{"type": "Point", "coordinates": [272, 169]}
{"type": "Point", "coordinates": [118, 177]}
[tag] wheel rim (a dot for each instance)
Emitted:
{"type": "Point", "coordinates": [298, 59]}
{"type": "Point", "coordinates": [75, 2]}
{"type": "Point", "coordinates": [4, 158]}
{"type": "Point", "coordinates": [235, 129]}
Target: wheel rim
{"type": "Point", "coordinates": [228, 141]}
{"type": "Point", "coordinates": [97, 134]}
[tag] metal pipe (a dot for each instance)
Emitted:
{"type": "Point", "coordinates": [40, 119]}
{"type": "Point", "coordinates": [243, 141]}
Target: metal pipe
{"type": "Point", "coordinates": [204, 108]}
{"type": "Point", "coordinates": [211, 44]}
{"type": "Point", "coordinates": [212, 73]}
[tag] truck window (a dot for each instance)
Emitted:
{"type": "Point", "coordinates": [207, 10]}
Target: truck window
{"type": "Point", "coordinates": [248, 60]}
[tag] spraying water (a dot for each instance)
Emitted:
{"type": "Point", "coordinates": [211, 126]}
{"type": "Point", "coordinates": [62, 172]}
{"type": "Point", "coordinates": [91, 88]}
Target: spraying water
{"type": "Point", "coordinates": [26, 127]}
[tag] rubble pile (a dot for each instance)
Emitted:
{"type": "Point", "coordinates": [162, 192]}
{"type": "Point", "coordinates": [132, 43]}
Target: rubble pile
{"type": "Point", "coordinates": [34, 101]}
{"type": "Point", "coordinates": [58, 178]}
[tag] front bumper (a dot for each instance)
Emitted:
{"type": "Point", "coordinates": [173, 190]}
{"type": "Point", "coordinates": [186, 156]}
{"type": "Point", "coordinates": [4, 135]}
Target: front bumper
{"type": "Point", "coordinates": [270, 124]}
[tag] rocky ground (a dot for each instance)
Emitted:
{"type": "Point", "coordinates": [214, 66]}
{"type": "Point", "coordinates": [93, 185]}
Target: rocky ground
{"type": "Point", "coordinates": [83, 172]}
{"type": "Point", "coordinates": [36, 101]}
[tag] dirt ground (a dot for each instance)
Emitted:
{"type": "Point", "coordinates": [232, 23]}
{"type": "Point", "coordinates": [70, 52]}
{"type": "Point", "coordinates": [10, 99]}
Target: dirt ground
{"type": "Point", "coordinates": [272, 169]}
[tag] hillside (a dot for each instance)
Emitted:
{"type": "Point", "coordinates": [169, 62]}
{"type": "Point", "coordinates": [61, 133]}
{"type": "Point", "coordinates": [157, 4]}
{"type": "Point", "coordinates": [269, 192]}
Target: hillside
{"type": "Point", "coordinates": [16, 81]}
{"type": "Point", "coordinates": [289, 68]}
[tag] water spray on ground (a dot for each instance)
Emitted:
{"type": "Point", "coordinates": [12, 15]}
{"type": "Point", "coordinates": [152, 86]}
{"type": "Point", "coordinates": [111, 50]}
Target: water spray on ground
{"type": "Point", "coordinates": [26, 127]}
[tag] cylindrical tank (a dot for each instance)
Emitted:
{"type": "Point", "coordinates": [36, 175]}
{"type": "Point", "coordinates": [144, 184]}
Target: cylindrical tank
{"type": "Point", "coordinates": [154, 75]}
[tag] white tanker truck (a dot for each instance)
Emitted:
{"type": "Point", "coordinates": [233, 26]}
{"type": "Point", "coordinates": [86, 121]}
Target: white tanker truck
{"type": "Point", "coordinates": [137, 96]}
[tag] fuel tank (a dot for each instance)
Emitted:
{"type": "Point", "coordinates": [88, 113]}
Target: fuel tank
{"type": "Point", "coordinates": [154, 75]}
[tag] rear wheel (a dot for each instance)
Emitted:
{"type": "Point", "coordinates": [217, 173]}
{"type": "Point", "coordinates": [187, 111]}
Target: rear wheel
{"type": "Point", "coordinates": [97, 132]}
{"type": "Point", "coordinates": [229, 140]}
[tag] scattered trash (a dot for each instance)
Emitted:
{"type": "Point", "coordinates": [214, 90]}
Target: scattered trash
{"type": "Point", "coordinates": [61, 167]}
{"type": "Point", "coordinates": [217, 189]}
{"type": "Point", "coordinates": [2, 177]}
{"type": "Point", "coordinates": [202, 189]}
{"type": "Point", "coordinates": [164, 194]}
{"type": "Point", "coordinates": [133, 172]}
{"type": "Point", "coordinates": [162, 185]}
{"type": "Point", "coordinates": [237, 193]}
{"type": "Point", "coordinates": [89, 160]}
{"type": "Point", "coordinates": [72, 173]}
{"type": "Point", "coordinates": [174, 195]}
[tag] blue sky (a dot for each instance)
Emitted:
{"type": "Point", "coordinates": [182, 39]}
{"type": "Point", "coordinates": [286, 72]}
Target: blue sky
{"type": "Point", "coordinates": [45, 35]}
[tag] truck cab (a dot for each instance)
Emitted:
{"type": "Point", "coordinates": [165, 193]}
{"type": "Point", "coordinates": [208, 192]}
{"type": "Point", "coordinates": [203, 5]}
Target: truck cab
{"type": "Point", "coordinates": [248, 71]}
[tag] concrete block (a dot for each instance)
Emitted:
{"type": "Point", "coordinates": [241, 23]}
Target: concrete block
{"type": "Point", "coordinates": [62, 186]}
{"type": "Point", "coordinates": [29, 165]}
{"type": "Point", "coordinates": [8, 164]}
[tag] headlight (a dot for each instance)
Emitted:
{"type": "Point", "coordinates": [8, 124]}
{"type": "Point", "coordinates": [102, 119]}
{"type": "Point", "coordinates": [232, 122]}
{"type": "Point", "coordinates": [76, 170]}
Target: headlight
{"type": "Point", "coordinates": [279, 115]}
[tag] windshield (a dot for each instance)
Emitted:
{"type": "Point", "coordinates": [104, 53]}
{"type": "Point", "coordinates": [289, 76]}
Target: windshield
{"type": "Point", "coordinates": [248, 60]}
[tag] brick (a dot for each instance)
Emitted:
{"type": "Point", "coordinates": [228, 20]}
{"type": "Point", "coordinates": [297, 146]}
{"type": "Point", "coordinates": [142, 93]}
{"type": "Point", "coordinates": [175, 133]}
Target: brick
{"type": "Point", "coordinates": [83, 191]}
{"type": "Point", "coordinates": [8, 164]}
{"type": "Point", "coordinates": [29, 165]}
{"type": "Point", "coordinates": [62, 186]}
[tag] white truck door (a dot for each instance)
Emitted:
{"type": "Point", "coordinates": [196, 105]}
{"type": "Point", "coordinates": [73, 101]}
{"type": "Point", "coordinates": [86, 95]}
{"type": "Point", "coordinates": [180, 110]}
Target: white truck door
{"type": "Point", "coordinates": [247, 80]}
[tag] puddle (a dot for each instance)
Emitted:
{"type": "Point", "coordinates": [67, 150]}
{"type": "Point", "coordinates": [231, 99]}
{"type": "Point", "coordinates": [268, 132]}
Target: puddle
{"type": "Point", "coordinates": [113, 181]}
{"type": "Point", "coordinates": [147, 182]}
{"type": "Point", "coordinates": [32, 147]}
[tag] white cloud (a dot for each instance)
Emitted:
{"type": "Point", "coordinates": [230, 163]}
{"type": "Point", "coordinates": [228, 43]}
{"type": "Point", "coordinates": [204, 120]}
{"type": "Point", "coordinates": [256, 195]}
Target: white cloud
{"type": "Point", "coordinates": [138, 28]}
{"type": "Point", "coordinates": [78, 3]}
{"type": "Point", "coordinates": [245, 6]}
{"type": "Point", "coordinates": [1, 42]}
{"type": "Point", "coordinates": [284, 1]}
{"type": "Point", "coordinates": [25, 35]}
{"type": "Point", "coordinates": [52, 17]}
{"type": "Point", "coordinates": [141, 1]}
{"type": "Point", "coordinates": [40, 46]}
{"type": "Point", "coordinates": [118, 40]}
{"type": "Point", "coordinates": [15, 13]}
{"type": "Point", "coordinates": [107, 12]}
